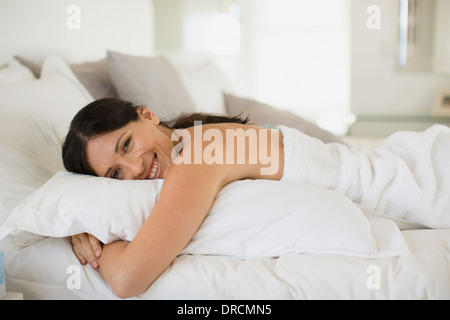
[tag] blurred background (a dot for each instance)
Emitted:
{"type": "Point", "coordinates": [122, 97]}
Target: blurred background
{"type": "Point", "coordinates": [326, 60]}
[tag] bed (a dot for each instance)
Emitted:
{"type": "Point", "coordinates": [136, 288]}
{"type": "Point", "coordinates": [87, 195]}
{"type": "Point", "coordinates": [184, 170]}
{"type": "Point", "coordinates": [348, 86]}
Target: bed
{"type": "Point", "coordinates": [43, 84]}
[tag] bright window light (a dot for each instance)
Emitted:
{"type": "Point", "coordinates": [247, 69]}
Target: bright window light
{"type": "Point", "coordinates": [303, 56]}
{"type": "Point", "coordinates": [304, 13]}
{"type": "Point", "coordinates": [225, 36]}
{"type": "Point", "coordinates": [209, 29]}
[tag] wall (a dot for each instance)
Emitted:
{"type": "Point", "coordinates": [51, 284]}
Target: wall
{"type": "Point", "coordinates": [36, 28]}
{"type": "Point", "coordinates": [377, 85]}
{"type": "Point", "coordinates": [441, 48]}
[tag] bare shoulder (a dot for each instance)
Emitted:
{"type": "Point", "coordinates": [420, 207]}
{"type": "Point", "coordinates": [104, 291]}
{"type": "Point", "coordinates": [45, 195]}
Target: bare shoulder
{"type": "Point", "coordinates": [243, 151]}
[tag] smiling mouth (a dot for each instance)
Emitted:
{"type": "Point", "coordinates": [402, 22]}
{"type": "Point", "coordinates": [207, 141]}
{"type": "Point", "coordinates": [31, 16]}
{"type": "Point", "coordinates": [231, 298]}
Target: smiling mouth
{"type": "Point", "coordinates": [154, 169]}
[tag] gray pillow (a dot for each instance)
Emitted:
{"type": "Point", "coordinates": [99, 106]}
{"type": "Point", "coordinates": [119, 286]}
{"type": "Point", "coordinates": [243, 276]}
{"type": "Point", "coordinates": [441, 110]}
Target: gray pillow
{"type": "Point", "coordinates": [150, 81]}
{"type": "Point", "coordinates": [95, 78]}
{"type": "Point", "coordinates": [263, 114]}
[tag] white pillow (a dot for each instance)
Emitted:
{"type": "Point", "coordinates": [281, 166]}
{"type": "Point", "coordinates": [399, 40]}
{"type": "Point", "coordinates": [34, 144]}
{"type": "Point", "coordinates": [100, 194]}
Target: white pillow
{"type": "Point", "coordinates": [14, 72]}
{"type": "Point", "coordinates": [248, 219]}
{"type": "Point", "coordinates": [21, 175]}
{"type": "Point", "coordinates": [34, 119]}
{"type": "Point", "coordinates": [73, 203]}
{"type": "Point", "coordinates": [54, 64]}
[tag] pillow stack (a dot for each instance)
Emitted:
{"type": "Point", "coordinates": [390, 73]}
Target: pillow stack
{"type": "Point", "coordinates": [34, 118]}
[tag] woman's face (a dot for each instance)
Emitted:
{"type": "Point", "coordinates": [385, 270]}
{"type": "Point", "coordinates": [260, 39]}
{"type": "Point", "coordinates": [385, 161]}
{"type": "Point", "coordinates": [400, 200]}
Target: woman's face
{"type": "Point", "coordinates": [139, 150]}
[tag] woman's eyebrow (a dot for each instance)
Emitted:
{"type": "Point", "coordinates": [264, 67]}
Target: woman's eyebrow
{"type": "Point", "coordinates": [107, 172]}
{"type": "Point", "coordinates": [116, 149]}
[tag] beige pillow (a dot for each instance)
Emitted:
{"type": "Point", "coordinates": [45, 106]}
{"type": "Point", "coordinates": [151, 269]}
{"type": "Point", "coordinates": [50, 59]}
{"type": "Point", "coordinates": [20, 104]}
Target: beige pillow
{"type": "Point", "coordinates": [263, 114]}
{"type": "Point", "coordinates": [150, 81]}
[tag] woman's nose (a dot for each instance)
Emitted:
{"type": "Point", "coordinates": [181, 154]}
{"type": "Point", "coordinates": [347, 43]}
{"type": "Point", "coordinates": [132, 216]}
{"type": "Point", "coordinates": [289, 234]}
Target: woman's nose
{"type": "Point", "coordinates": [133, 167]}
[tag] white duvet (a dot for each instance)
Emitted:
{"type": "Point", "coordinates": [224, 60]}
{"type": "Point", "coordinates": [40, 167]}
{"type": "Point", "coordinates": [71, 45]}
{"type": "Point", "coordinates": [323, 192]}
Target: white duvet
{"type": "Point", "coordinates": [407, 176]}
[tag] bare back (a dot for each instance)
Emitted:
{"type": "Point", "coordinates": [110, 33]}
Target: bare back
{"type": "Point", "coordinates": [241, 151]}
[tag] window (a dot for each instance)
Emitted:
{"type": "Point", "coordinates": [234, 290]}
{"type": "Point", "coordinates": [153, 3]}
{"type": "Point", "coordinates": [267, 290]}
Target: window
{"type": "Point", "coordinates": [302, 58]}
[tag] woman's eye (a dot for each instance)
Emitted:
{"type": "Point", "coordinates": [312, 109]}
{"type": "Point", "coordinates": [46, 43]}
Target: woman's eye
{"type": "Point", "coordinates": [126, 145]}
{"type": "Point", "coordinates": [115, 174]}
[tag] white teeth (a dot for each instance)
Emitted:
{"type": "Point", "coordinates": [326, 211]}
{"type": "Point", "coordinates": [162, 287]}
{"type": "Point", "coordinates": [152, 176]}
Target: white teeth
{"type": "Point", "coordinates": [154, 169]}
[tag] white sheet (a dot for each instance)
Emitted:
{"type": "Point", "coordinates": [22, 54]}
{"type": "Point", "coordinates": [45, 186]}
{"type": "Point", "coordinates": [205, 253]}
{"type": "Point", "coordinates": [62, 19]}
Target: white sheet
{"type": "Point", "coordinates": [41, 272]}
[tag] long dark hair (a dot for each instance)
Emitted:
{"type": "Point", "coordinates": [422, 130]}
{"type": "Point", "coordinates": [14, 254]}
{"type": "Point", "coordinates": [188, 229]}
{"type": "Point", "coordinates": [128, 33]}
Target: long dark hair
{"type": "Point", "coordinates": [108, 114]}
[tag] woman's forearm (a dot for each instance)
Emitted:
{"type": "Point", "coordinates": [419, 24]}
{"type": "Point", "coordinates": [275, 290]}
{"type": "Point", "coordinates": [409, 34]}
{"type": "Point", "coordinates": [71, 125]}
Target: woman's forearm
{"type": "Point", "coordinates": [122, 269]}
{"type": "Point", "coordinates": [115, 271]}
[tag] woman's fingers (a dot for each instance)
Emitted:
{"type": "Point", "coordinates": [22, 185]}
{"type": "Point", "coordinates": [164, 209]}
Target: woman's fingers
{"type": "Point", "coordinates": [84, 249]}
{"type": "Point", "coordinates": [80, 257]}
{"type": "Point", "coordinates": [96, 245]}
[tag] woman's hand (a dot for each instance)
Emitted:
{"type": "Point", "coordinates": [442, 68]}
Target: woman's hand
{"type": "Point", "coordinates": [87, 248]}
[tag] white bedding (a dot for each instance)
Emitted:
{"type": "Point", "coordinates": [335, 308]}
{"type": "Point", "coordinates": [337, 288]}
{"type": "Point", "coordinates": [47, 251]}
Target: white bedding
{"type": "Point", "coordinates": [407, 176]}
{"type": "Point", "coordinates": [424, 273]}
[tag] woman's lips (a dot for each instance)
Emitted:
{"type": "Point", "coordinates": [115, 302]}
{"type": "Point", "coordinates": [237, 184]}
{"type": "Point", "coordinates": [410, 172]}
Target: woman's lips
{"type": "Point", "coordinates": [154, 169]}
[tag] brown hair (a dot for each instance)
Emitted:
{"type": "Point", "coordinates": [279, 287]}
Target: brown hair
{"type": "Point", "coordinates": [108, 114]}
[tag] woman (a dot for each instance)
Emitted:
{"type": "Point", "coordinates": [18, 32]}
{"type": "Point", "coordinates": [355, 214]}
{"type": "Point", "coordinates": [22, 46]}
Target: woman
{"type": "Point", "coordinates": [116, 139]}
{"type": "Point", "coordinates": [407, 176]}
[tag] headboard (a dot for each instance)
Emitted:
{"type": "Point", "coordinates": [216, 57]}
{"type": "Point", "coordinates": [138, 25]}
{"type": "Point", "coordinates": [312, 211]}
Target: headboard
{"type": "Point", "coordinates": [77, 30]}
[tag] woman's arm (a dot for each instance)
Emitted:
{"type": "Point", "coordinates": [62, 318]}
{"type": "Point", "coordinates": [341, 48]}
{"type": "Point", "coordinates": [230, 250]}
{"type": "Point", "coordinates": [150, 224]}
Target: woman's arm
{"type": "Point", "coordinates": [186, 197]}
